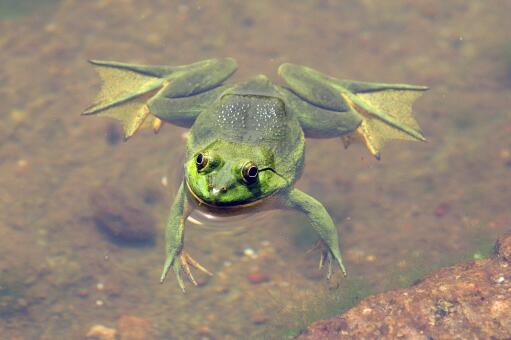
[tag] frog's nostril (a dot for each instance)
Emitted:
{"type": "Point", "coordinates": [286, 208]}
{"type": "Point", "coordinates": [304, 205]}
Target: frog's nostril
{"type": "Point", "coordinates": [215, 190]}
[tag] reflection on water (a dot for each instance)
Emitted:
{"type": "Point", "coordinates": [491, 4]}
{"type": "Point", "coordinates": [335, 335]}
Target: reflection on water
{"type": "Point", "coordinates": [421, 206]}
{"type": "Point", "coordinates": [229, 225]}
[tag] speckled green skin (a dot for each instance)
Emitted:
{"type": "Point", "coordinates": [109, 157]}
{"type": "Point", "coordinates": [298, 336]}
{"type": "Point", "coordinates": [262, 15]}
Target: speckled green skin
{"type": "Point", "coordinates": [256, 121]}
{"type": "Point", "coordinates": [253, 122]}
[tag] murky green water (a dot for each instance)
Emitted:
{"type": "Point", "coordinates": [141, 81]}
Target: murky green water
{"type": "Point", "coordinates": [423, 205]}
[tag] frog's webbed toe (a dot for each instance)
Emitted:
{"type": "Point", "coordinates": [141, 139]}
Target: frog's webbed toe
{"type": "Point", "coordinates": [187, 261]}
{"type": "Point", "coordinates": [371, 112]}
{"type": "Point", "coordinates": [183, 262]}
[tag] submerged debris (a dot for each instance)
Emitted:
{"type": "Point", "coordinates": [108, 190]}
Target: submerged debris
{"type": "Point", "coordinates": [120, 220]}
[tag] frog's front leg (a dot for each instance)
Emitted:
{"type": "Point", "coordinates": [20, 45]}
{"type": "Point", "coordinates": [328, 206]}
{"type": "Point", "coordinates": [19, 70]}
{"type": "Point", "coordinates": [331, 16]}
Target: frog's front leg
{"type": "Point", "coordinates": [321, 222]}
{"type": "Point", "coordinates": [176, 257]}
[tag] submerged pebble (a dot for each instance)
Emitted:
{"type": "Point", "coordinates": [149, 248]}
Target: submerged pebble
{"type": "Point", "coordinates": [257, 276]}
{"type": "Point", "coordinates": [259, 317]}
{"type": "Point", "coordinates": [134, 328]}
{"type": "Point", "coordinates": [442, 209]}
{"type": "Point", "coordinates": [101, 332]}
{"type": "Point", "coordinates": [119, 219]}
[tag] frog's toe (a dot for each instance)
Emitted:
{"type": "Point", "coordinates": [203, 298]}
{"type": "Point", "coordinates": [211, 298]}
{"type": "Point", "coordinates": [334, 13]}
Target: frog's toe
{"type": "Point", "coordinates": [157, 124]}
{"type": "Point", "coordinates": [327, 258]}
{"type": "Point", "coordinates": [195, 264]}
{"type": "Point", "coordinates": [176, 268]}
{"type": "Point", "coordinates": [166, 268]}
{"type": "Point", "coordinates": [187, 261]}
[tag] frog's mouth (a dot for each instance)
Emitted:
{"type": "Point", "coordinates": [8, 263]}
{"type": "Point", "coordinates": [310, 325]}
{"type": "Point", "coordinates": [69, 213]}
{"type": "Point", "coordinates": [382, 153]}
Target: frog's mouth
{"type": "Point", "coordinates": [229, 205]}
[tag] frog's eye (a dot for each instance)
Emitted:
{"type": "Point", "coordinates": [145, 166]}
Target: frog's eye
{"type": "Point", "coordinates": [249, 173]}
{"type": "Point", "coordinates": [201, 161]}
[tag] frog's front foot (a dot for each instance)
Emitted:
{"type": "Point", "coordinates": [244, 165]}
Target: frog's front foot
{"type": "Point", "coordinates": [327, 257]}
{"type": "Point", "coordinates": [184, 261]}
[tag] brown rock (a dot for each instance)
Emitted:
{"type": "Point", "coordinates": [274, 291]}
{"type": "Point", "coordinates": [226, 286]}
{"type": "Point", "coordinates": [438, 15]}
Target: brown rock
{"type": "Point", "coordinates": [134, 328]}
{"type": "Point", "coordinates": [503, 247]}
{"type": "Point", "coordinates": [119, 219]}
{"type": "Point", "coordinates": [465, 301]}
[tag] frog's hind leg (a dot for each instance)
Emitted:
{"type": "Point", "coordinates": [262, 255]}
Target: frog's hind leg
{"type": "Point", "coordinates": [130, 92]}
{"type": "Point", "coordinates": [371, 112]}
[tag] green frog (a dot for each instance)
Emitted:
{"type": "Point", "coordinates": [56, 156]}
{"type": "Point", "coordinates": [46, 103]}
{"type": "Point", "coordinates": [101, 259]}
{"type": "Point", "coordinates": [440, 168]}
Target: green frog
{"type": "Point", "coordinates": [245, 148]}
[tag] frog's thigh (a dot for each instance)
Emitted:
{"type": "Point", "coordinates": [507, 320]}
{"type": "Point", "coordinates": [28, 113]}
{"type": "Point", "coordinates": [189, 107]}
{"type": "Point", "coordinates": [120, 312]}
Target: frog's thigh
{"type": "Point", "coordinates": [182, 111]}
{"type": "Point", "coordinates": [319, 122]}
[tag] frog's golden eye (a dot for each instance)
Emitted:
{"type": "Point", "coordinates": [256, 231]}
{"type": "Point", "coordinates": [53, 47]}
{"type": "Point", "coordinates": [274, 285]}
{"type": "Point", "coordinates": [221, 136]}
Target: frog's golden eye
{"type": "Point", "coordinates": [249, 173]}
{"type": "Point", "coordinates": [201, 161]}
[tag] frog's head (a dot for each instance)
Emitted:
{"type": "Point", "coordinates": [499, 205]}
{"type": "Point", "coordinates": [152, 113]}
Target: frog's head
{"type": "Point", "coordinates": [231, 174]}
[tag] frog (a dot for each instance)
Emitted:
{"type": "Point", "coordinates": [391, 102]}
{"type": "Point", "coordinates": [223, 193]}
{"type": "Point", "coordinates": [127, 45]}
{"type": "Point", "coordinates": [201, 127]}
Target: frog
{"type": "Point", "coordinates": [246, 141]}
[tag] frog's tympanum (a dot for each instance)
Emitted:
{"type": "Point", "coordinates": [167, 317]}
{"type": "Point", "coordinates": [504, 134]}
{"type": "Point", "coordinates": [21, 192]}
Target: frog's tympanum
{"type": "Point", "coordinates": [245, 148]}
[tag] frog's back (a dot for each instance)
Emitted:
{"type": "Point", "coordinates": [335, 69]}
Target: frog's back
{"type": "Point", "coordinates": [251, 113]}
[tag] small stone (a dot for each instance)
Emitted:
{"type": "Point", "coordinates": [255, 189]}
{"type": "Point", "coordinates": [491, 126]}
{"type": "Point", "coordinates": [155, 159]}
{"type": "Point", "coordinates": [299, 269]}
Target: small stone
{"type": "Point", "coordinates": [101, 332]}
{"type": "Point", "coordinates": [221, 290]}
{"type": "Point", "coordinates": [204, 333]}
{"type": "Point", "coordinates": [367, 311]}
{"type": "Point", "coordinates": [257, 277]}
{"type": "Point", "coordinates": [442, 209]}
{"type": "Point", "coordinates": [402, 264]}
{"type": "Point", "coordinates": [18, 116]}
{"type": "Point", "coordinates": [22, 163]}
{"type": "Point", "coordinates": [249, 252]}
{"type": "Point", "coordinates": [259, 317]}
{"type": "Point", "coordinates": [82, 293]}
{"type": "Point", "coordinates": [134, 328]}
{"type": "Point", "coordinates": [505, 154]}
